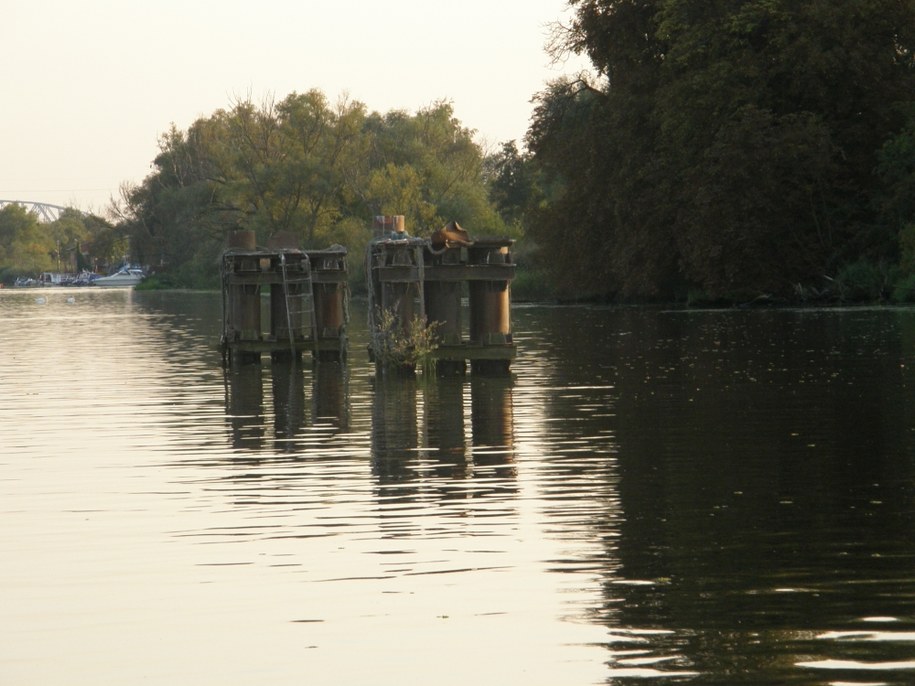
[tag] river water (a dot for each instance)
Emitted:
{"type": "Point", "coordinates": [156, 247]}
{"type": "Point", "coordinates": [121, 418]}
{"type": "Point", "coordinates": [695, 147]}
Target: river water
{"type": "Point", "coordinates": [653, 496]}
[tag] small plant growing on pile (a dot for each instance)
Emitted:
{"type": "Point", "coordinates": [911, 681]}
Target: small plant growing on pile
{"type": "Point", "coordinates": [404, 348]}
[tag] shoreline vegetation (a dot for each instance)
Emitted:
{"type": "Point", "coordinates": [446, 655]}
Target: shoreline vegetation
{"type": "Point", "coordinates": [529, 288]}
{"type": "Point", "coordinates": [751, 154]}
{"type": "Point", "coordinates": [860, 285]}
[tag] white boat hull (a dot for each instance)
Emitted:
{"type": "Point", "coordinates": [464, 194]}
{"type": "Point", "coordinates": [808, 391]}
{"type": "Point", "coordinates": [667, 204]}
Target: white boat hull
{"type": "Point", "coordinates": [123, 279]}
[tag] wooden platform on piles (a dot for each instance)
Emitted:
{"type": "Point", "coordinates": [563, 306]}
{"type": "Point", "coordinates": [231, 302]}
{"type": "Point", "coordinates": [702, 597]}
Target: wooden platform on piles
{"type": "Point", "coordinates": [412, 279]}
{"type": "Point", "coordinates": [307, 309]}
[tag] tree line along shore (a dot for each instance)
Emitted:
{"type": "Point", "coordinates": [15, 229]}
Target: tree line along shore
{"type": "Point", "coordinates": [760, 151]}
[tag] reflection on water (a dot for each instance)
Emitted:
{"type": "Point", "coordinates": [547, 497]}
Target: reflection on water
{"type": "Point", "coordinates": [653, 496]}
{"type": "Point", "coordinates": [759, 490]}
{"type": "Point", "coordinates": [323, 406]}
{"type": "Point", "coordinates": [245, 406]}
{"type": "Point", "coordinates": [424, 441]}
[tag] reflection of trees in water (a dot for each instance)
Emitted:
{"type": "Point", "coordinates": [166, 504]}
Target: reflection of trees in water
{"type": "Point", "coordinates": [292, 413]}
{"type": "Point", "coordinates": [420, 441]}
{"type": "Point", "coordinates": [759, 490]}
{"type": "Point", "coordinates": [741, 483]}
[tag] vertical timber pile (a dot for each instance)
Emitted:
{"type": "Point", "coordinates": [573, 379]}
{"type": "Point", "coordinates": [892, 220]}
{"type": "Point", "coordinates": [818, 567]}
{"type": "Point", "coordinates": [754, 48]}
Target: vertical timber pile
{"type": "Point", "coordinates": [289, 297]}
{"type": "Point", "coordinates": [399, 259]}
{"type": "Point", "coordinates": [241, 297]}
{"type": "Point", "coordinates": [399, 293]}
{"type": "Point", "coordinates": [490, 299]}
{"type": "Point", "coordinates": [329, 288]}
{"type": "Point", "coordinates": [307, 305]}
{"type": "Point", "coordinates": [443, 306]}
{"type": "Point", "coordinates": [408, 277]}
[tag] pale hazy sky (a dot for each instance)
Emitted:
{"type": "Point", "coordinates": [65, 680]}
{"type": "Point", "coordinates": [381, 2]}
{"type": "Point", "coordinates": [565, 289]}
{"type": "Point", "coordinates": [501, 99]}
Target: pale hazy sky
{"type": "Point", "coordinates": [89, 85]}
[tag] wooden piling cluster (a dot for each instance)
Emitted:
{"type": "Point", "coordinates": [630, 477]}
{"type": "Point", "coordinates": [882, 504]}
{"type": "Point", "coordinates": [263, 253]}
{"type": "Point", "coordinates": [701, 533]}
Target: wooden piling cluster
{"type": "Point", "coordinates": [307, 305]}
{"type": "Point", "coordinates": [411, 277]}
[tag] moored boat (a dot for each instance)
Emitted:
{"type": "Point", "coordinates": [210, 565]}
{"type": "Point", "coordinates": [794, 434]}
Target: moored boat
{"type": "Point", "coordinates": [125, 277]}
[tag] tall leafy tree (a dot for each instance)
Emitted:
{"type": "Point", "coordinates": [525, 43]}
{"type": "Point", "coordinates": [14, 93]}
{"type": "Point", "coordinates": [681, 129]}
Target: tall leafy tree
{"type": "Point", "coordinates": [514, 185]}
{"type": "Point", "coordinates": [320, 144]}
{"type": "Point", "coordinates": [734, 144]}
{"type": "Point", "coordinates": [308, 168]}
{"type": "Point", "coordinates": [895, 204]}
{"type": "Point", "coordinates": [25, 249]}
{"type": "Point", "coordinates": [446, 165]}
{"type": "Point", "coordinates": [179, 215]}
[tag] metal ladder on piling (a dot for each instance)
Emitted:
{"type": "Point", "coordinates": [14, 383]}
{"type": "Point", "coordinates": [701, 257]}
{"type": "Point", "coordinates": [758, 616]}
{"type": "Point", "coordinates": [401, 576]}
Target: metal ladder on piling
{"type": "Point", "coordinates": [300, 307]}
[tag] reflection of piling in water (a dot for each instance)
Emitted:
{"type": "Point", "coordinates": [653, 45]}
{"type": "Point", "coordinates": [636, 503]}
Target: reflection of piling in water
{"type": "Point", "coordinates": [329, 394]}
{"type": "Point", "coordinates": [394, 431]}
{"type": "Point", "coordinates": [288, 402]}
{"type": "Point", "coordinates": [399, 449]}
{"type": "Point", "coordinates": [307, 305]}
{"type": "Point", "coordinates": [426, 278]}
{"type": "Point", "coordinates": [245, 402]}
{"type": "Point", "coordinates": [245, 406]}
{"type": "Point", "coordinates": [444, 422]}
{"type": "Point", "coordinates": [492, 418]}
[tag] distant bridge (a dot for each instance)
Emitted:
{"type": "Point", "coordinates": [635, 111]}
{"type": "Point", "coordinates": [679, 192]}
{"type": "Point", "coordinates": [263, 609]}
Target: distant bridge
{"type": "Point", "coordinates": [45, 211]}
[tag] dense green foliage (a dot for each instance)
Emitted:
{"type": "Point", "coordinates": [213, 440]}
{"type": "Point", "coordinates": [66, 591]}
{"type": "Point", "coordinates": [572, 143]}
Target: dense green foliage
{"type": "Point", "coordinates": [729, 148]}
{"type": "Point", "coordinates": [722, 151]}
{"type": "Point", "coordinates": [73, 242]}
{"type": "Point", "coordinates": [303, 167]}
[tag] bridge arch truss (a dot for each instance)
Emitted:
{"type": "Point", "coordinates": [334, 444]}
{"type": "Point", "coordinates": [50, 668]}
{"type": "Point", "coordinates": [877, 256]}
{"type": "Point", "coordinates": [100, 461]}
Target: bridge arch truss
{"type": "Point", "coordinates": [44, 211]}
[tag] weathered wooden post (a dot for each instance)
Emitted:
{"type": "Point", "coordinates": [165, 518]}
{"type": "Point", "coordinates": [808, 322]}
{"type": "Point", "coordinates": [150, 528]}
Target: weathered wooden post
{"type": "Point", "coordinates": [443, 306]}
{"type": "Point", "coordinates": [412, 278]}
{"type": "Point", "coordinates": [242, 306]}
{"type": "Point", "coordinates": [296, 290]}
{"type": "Point", "coordinates": [490, 303]}
{"type": "Point", "coordinates": [329, 290]}
{"type": "Point", "coordinates": [288, 304]}
{"type": "Point", "coordinates": [394, 272]}
{"type": "Point", "coordinates": [399, 294]}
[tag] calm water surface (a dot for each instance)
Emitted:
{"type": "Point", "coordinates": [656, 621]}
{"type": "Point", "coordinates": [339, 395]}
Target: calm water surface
{"type": "Point", "coordinates": [653, 497]}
